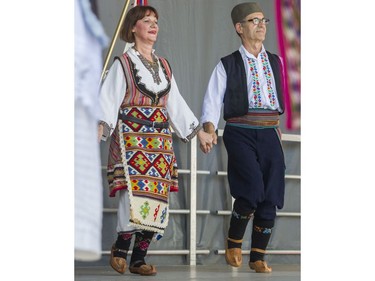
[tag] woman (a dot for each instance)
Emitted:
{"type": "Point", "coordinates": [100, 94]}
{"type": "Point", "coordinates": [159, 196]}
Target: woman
{"type": "Point", "coordinates": [140, 100]}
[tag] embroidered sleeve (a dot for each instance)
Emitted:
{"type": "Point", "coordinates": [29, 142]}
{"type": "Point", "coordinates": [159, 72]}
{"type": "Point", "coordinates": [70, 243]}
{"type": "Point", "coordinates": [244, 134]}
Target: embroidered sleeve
{"type": "Point", "coordinates": [193, 133]}
{"type": "Point", "coordinates": [182, 119]}
{"type": "Point", "coordinates": [112, 93]}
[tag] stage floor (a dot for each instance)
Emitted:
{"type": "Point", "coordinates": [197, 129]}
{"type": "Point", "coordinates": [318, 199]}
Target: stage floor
{"type": "Point", "coordinates": [282, 272]}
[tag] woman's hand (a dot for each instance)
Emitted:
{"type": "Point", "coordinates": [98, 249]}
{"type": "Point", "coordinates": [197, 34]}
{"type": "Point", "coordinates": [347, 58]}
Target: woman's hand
{"type": "Point", "coordinates": [205, 140]}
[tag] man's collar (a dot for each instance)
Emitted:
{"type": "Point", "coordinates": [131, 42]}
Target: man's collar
{"type": "Point", "coordinates": [245, 53]}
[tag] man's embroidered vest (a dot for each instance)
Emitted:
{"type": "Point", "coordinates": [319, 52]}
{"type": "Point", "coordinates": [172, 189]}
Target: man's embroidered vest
{"type": "Point", "coordinates": [236, 102]}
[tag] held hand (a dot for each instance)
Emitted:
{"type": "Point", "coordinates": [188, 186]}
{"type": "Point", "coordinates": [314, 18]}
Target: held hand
{"type": "Point", "coordinates": [210, 128]}
{"type": "Point", "coordinates": [214, 138]}
{"type": "Point", "coordinates": [205, 140]}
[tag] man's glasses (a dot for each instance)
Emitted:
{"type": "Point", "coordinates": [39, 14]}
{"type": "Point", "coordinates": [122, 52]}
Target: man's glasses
{"type": "Point", "coordinates": [256, 21]}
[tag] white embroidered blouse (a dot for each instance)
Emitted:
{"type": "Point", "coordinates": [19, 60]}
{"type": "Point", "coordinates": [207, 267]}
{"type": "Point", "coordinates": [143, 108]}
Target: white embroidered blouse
{"type": "Point", "coordinates": [112, 92]}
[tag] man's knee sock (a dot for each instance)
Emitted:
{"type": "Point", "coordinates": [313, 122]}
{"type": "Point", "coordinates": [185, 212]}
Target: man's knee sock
{"type": "Point", "coordinates": [260, 237]}
{"type": "Point", "coordinates": [241, 215]}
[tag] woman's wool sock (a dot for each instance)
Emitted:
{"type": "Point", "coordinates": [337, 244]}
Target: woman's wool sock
{"type": "Point", "coordinates": [122, 244]}
{"type": "Point", "coordinates": [141, 244]}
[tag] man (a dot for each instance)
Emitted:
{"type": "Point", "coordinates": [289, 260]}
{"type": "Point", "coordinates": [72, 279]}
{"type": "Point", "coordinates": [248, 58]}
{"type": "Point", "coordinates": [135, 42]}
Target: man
{"type": "Point", "coordinates": [249, 82]}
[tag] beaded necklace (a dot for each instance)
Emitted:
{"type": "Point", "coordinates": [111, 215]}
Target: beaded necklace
{"type": "Point", "coordinates": [152, 67]}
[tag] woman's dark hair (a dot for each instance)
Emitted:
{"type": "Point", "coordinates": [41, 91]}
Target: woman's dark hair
{"type": "Point", "coordinates": [131, 18]}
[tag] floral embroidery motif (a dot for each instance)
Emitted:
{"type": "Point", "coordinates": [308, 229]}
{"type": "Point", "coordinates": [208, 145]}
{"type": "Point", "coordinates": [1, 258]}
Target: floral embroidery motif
{"type": "Point", "coordinates": [192, 126]}
{"type": "Point", "coordinates": [241, 217]}
{"type": "Point", "coordinates": [267, 72]}
{"type": "Point", "coordinates": [257, 97]}
{"type": "Point", "coordinates": [145, 210]}
{"type": "Point", "coordinates": [263, 230]}
{"type": "Point", "coordinates": [141, 243]}
{"type": "Point", "coordinates": [267, 231]}
{"type": "Point", "coordinates": [126, 236]}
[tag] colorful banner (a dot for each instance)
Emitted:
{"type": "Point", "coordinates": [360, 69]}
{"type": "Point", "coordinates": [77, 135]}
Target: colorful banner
{"type": "Point", "coordinates": [288, 22]}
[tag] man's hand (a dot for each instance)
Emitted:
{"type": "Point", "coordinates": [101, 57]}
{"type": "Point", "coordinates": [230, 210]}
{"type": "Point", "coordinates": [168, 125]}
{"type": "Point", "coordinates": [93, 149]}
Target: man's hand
{"type": "Point", "coordinates": [210, 128]}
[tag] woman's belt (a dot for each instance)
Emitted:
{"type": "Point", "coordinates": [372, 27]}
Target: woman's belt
{"type": "Point", "coordinates": [153, 124]}
{"type": "Point", "coordinates": [258, 119]}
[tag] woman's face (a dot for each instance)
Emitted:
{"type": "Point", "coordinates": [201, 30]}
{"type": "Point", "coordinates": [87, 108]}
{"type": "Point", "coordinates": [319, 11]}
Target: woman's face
{"type": "Point", "coordinates": [146, 30]}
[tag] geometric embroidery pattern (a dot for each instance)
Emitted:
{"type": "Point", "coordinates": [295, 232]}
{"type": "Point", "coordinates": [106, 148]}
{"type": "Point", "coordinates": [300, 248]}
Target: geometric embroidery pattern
{"type": "Point", "coordinates": [163, 215]}
{"type": "Point", "coordinates": [150, 161]}
{"type": "Point", "coordinates": [151, 166]}
{"type": "Point", "coordinates": [146, 113]}
{"type": "Point", "coordinates": [134, 159]}
{"type": "Point", "coordinates": [140, 162]}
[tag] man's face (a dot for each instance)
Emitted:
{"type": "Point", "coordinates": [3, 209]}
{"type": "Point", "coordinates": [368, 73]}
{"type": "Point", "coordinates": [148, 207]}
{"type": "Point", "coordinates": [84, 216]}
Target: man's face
{"type": "Point", "coordinates": [250, 31]}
